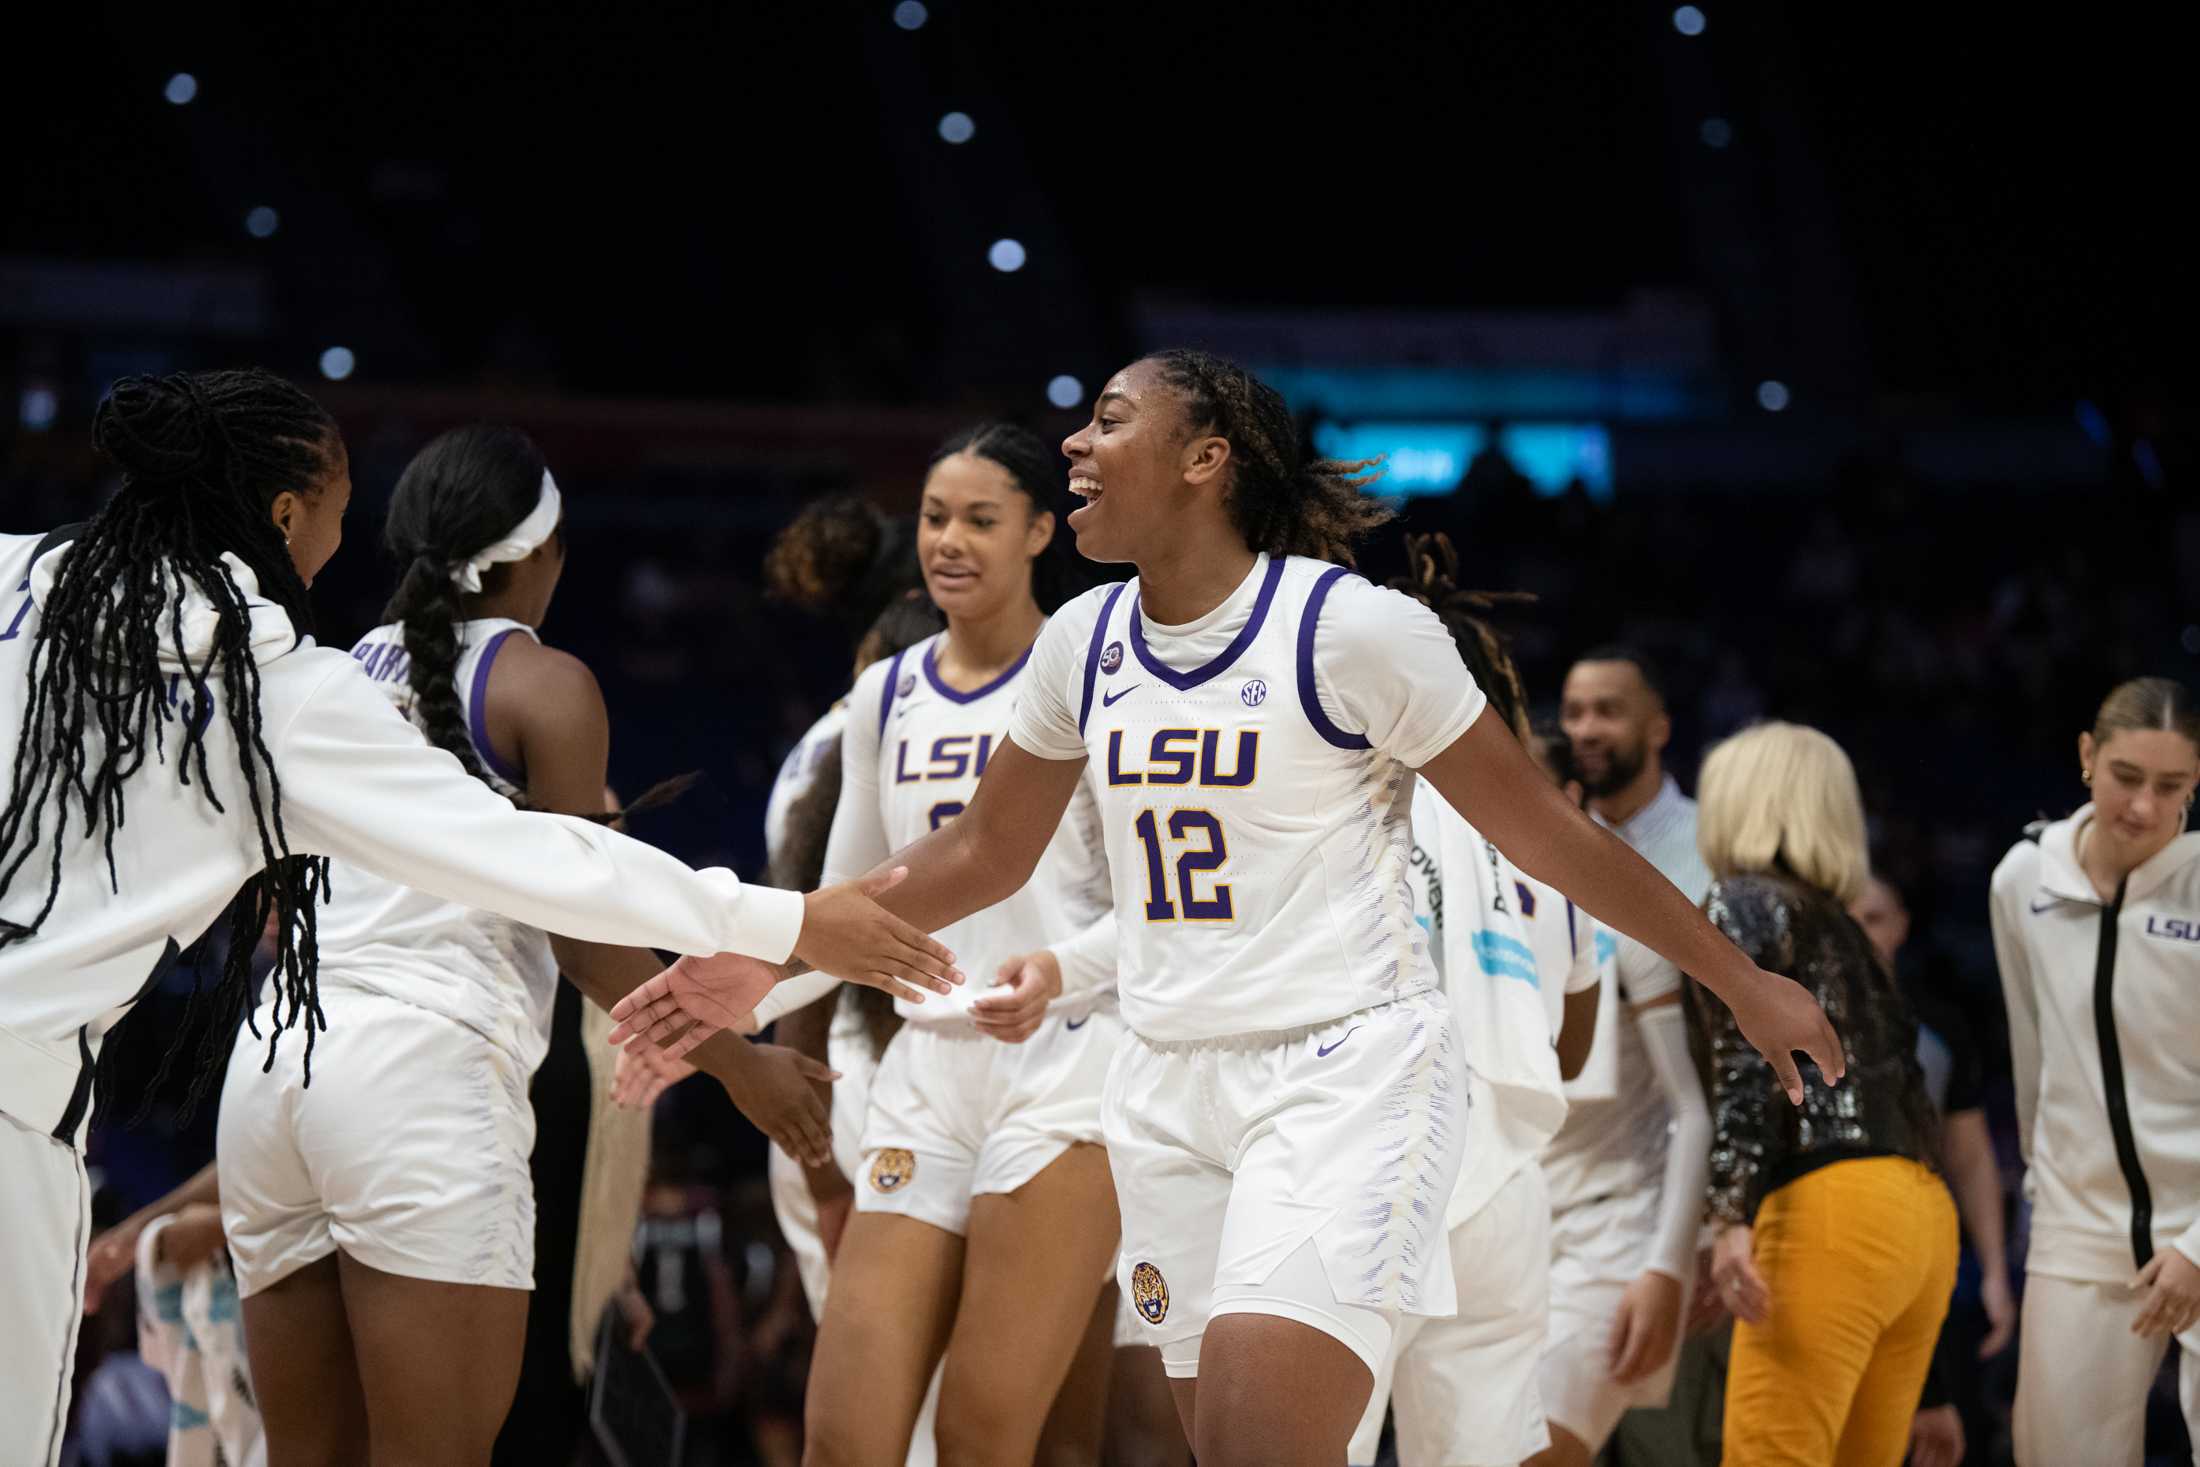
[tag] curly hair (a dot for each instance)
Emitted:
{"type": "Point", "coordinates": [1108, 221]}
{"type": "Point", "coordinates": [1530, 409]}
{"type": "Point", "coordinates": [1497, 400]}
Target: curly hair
{"type": "Point", "coordinates": [1433, 582]}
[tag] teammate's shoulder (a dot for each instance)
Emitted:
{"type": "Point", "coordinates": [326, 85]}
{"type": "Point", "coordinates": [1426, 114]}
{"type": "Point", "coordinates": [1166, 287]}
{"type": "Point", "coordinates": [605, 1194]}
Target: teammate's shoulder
{"type": "Point", "coordinates": [1083, 609]}
{"type": "Point", "coordinates": [553, 669]}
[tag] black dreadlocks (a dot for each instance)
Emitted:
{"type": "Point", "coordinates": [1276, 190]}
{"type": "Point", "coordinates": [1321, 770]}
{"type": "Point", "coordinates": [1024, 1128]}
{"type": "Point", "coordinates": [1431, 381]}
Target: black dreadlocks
{"type": "Point", "coordinates": [203, 456]}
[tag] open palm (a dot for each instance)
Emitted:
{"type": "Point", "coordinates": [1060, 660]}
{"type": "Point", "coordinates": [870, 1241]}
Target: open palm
{"type": "Point", "coordinates": [692, 1000]}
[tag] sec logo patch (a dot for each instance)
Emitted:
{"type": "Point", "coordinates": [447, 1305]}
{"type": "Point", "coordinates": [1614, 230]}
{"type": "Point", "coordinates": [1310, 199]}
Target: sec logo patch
{"type": "Point", "coordinates": [1150, 1292]}
{"type": "Point", "coordinates": [892, 1168]}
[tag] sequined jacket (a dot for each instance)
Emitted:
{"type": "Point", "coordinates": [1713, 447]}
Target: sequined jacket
{"type": "Point", "coordinates": [1759, 1141]}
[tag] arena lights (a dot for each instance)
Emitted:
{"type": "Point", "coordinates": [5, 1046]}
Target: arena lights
{"type": "Point", "coordinates": [1006, 256]}
{"type": "Point", "coordinates": [1065, 391]}
{"type": "Point", "coordinates": [956, 127]}
{"type": "Point", "coordinates": [262, 222]}
{"type": "Point", "coordinates": [910, 15]}
{"type": "Point", "coordinates": [181, 88]}
{"type": "Point", "coordinates": [1716, 132]}
{"type": "Point", "coordinates": [337, 362]}
{"type": "Point", "coordinates": [1688, 20]}
{"type": "Point", "coordinates": [40, 407]}
{"type": "Point", "coordinates": [1772, 396]}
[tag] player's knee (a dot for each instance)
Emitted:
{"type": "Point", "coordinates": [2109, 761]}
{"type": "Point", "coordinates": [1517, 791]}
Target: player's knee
{"type": "Point", "coordinates": [982, 1423]}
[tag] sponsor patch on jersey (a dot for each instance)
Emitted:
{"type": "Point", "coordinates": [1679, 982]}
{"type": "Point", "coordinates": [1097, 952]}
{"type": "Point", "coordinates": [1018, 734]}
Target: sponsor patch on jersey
{"type": "Point", "coordinates": [1150, 1292]}
{"type": "Point", "coordinates": [908, 685]}
{"type": "Point", "coordinates": [892, 1169]}
{"type": "Point", "coordinates": [1254, 693]}
{"type": "Point", "coordinates": [1111, 657]}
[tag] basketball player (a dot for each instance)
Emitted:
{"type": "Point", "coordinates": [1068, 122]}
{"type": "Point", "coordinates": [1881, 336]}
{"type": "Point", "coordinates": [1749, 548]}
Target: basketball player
{"type": "Point", "coordinates": [387, 1212]}
{"type": "Point", "coordinates": [984, 1223]}
{"type": "Point", "coordinates": [1284, 1123]}
{"type": "Point", "coordinates": [156, 663]}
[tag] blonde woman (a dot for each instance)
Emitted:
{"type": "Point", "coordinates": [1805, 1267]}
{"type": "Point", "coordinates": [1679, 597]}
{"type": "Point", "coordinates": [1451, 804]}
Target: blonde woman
{"type": "Point", "coordinates": [1836, 1244]}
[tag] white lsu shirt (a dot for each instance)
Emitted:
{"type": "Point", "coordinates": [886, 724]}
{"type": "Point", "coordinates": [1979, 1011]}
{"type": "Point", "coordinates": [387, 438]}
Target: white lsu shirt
{"type": "Point", "coordinates": [797, 772]}
{"type": "Point", "coordinates": [493, 975]}
{"type": "Point", "coordinates": [911, 754]}
{"type": "Point", "coordinates": [1615, 1145]}
{"type": "Point", "coordinates": [1255, 779]}
{"type": "Point", "coordinates": [1507, 950]}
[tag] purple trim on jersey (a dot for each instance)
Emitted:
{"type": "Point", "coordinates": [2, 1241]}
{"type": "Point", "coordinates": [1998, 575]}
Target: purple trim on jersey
{"type": "Point", "coordinates": [1244, 639]}
{"type": "Point", "coordinates": [1308, 698]}
{"type": "Point", "coordinates": [477, 707]}
{"type": "Point", "coordinates": [932, 676]}
{"type": "Point", "coordinates": [886, 699]}
{"type": "Point", "coordinates": [1092, 653]}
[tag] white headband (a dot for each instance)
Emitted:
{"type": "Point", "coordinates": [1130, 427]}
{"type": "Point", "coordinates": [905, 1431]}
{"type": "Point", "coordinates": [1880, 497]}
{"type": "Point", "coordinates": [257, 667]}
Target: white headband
{"type": "Point", "coordinates": [526, 538]}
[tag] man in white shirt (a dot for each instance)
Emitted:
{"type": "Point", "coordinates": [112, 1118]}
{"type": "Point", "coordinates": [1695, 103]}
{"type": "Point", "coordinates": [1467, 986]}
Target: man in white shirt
{"type": "Point", "coordinates": [1614, 714]}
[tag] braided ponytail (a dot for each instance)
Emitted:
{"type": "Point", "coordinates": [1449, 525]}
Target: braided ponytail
{"type": "Point", "coordinates": [467, 489]}
{"type": "Point", "coordinates": [1281, 501]}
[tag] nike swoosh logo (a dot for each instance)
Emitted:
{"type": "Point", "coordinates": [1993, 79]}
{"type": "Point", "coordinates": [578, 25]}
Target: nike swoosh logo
{"type": "Point", "coordinates": [1109, 700]}
{"type": "Point", "coordinates": [1329, 1049]}
{"type": "Point", "coordinates": [2038, 907]}
{"type": "Point", "coordinates": [1078, 1023]}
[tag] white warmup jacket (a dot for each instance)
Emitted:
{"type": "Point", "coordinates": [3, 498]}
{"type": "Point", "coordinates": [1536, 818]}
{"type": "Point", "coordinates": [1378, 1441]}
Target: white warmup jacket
{"type": "Point", "coordinates": [2104, 1035]}
{"type": "Point", "coordinates": [359, 783]}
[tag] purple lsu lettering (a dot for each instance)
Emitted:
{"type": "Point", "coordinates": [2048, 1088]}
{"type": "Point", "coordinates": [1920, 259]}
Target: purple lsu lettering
{"type": "Point", "coordinates": [953, 756]}
{"type": "Point", "coordinates": [1187, 756]}
{"type": "Point", "coordinates": [385, 662]}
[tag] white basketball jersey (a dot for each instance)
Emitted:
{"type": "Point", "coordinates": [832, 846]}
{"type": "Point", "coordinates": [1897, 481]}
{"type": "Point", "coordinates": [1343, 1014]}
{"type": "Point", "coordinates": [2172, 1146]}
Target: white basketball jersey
{"type": "Point", "coordinates": [1259, 846]}
{"type": "Point", "coordinates": [1616, 1143]}
{"type": "Point", "coordinates": [797, 772]}
{"type": "Point", "coordinates": [912, 754]}
{"type": "Point", "coordinates": [487, 972]}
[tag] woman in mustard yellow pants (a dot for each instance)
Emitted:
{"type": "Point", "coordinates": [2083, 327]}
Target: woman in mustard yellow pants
{"type": "Point", "coordinates": [1836, 1246]}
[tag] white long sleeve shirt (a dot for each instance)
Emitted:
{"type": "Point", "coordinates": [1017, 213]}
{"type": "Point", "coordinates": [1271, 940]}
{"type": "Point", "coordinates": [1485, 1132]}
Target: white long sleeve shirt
{"type": "Point", "coordinates": [360, 784]}
{"type": "Point", "coordinates": [2104, 1036]}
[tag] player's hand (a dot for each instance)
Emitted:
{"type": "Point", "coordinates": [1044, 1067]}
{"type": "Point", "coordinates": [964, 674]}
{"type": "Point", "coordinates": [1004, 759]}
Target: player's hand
{"type": "Point", "coordinates": [849, 935]}
{"type": "Point", "coordinates": [1734, 1271]}
{"type": "Point", "coordinates": [643, 1073]}
{"type": "Point", "coordinates": [2173, 1294]}
{"type": "Point", "coordinates": [1021, 993]}
{"type": "Point", "coordinates": [193, 1235]}
{"type": "Point", "coordinates": [692, 1000]}
{"type": "Point", "coordinates": [2001, 1313]}
{"type": "Point", "coordinates": [113, 1254]}
{"type": "Point", "coordinates": [1647, 1328]}
{"type": "Point", "coordinates": [1936, 1437]}
{"type": "Point", "coordinates": [1778, 1016]}
{"type": "Point", "coordinates": [773, 1086]}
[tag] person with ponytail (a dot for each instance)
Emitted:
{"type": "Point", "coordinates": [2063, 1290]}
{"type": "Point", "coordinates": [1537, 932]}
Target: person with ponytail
{"type": "Point", "coordinates": [1283, 1121]}
{"type": "Point", "coordinates": [179, 749]}
{"type": "Point", "coordinates": [984, 1216]}
{"type": "Point", "coordinates": [439, 1013]}
{"type": "Point", "coordinates": [2096, 921]}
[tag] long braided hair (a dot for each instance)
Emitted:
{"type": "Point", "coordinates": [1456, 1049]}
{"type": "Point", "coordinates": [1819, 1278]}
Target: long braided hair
{"type": "Point", "coordinates": [1434, 582]}
{"type": "Point", "coordinates": [203, 457]}
{"type": "Point", "coordinates": [468, 488]}
{"type": "Point", "coordinates": [1283, 502]}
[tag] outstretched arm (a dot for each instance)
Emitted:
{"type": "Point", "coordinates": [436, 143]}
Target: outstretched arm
{"type": "Point", "coordinates": [981, 857]}
{"type": "Point", "coordinates": [1488, 778]}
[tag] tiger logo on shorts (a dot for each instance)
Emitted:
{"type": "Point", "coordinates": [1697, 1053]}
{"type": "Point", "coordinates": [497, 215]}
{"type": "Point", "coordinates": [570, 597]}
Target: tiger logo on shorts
{"type": "Point", "coordinates": [1150, 1292]}
{"type": "Point", "coordinates": [892, 1168]}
